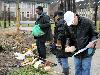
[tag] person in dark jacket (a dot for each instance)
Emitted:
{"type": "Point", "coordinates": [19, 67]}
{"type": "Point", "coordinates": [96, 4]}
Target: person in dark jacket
{"type": "Point", "coordinates": [82, 33]}
{"type": "Point", "coordinates": [44, 21]}
{"type": "Point", "coordinates": [60, 34]}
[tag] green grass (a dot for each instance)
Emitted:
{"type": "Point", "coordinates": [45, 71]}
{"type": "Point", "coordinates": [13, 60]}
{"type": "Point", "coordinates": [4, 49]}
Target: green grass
{"type": "Point", "coordinates": [31, 25]}
{"type": "Point", "coordinates": [98, 26]}
{"type": "Point", "coordinates": [28, 70]}
{"type": "Point", "coordinates": [26, 25]}
{"type": "Point", "coordinates": [7, 23]}
{"type": "Point", "coordinates": [98, 22]}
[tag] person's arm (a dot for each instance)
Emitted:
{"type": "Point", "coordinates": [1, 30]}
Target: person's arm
{"type": "Point", "coordinates": [92, 34]}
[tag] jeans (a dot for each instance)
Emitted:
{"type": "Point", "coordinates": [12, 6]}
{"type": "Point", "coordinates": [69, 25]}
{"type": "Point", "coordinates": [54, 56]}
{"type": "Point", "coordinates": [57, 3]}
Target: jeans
{"type": "Point", "coordinates": [82, 66]}
{"type": "Point", "coordinates": [41, 48]}
{"type": "Point", "coordinates": [63, 62]}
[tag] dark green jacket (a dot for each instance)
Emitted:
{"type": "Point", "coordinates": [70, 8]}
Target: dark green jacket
{"type": "Point", "coordinates": [62, 33]}
{"type": "Point", "coordinates": [44, 21]}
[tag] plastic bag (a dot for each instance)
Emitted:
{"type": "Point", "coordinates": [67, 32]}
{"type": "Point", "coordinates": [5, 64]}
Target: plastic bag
{"type": "Point", "coordinates": [36, 31]}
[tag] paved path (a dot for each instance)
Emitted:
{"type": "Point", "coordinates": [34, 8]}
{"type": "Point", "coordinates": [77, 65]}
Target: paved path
{"type": "Point", "coordinates": [26, 28]}
{"type": "Point", "coordinates": [95, 69]}
{"type": "Point", "coordinates": [96, 63]}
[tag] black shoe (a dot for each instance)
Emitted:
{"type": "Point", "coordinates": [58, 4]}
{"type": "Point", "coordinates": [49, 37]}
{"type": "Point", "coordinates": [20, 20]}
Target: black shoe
{"type": "Point", "coordinates": [66, 71]}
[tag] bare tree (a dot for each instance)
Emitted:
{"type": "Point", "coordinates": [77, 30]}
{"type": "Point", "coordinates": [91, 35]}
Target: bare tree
{"type": "Point", "coordinates": [5, 12]}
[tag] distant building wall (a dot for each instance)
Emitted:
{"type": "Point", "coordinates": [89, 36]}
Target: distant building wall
{"type": "Point", "coordinates": [27, 9]}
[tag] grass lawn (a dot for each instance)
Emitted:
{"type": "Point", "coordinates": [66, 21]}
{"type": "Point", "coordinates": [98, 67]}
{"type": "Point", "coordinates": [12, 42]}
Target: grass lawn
{"type": "Point", "coordinates": [27, 25]}
{"type": "Point", "coordinates": [98, 22]}
{"type": "Point", "coordinates": [31, 25]}
{"type": "Point", "coordinates": [98, 26]}
{"type": "Point", "coordinates": [7, 23]}
{"type": "Point", "coordinates": [28, 70]}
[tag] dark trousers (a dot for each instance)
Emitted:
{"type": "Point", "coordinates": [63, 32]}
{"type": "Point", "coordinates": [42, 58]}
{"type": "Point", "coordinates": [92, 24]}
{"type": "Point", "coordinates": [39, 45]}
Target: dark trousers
{"type": "Point", "coordinates": [41, 48]}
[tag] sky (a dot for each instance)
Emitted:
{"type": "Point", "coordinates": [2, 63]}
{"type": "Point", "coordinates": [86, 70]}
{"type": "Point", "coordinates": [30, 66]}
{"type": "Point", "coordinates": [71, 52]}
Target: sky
{"type": "Point", "coordinates": [78, 0]}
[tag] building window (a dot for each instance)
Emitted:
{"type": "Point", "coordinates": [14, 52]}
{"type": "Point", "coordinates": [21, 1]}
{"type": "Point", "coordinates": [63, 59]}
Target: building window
{"type": "Point", "coordinates": [12, 4]}
{"type": "Point", "coordinates": [12, 14]}
{"type": "Point", "coordinates": [22, 14]}
{"type": "Point", "coordinates": [43, 5]}
{"type": "Point", "coordinates": [23, 5]}
{"type": "Point", "coordinates": [29, 5]}
{"type": "Point", "coordinates": [46, 5]}
{"type": "Point", "coordinates": [27, 14]}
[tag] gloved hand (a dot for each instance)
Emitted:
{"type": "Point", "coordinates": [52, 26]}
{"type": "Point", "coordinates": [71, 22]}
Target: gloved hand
{"type": "Point", "coordinates": [53, 48]}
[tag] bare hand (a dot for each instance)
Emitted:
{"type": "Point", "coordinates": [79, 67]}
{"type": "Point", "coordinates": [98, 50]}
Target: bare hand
{"type": "Point", "coordinates": [90, 45]}
{"type": "Point", "coordinates": [70, 49]}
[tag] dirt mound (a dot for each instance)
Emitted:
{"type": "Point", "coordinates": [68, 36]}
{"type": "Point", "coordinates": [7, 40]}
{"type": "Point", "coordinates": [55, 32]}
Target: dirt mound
{"type": "Point", "coordinates": [10, 42]}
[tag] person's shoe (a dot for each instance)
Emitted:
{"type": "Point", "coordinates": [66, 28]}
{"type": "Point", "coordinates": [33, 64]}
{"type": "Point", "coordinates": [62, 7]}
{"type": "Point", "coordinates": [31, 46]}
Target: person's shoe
{"type": "Point", "coordinates": [66, 71]}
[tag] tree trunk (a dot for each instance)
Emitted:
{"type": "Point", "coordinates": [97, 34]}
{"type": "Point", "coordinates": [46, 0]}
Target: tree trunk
{"type": "Point", "coordinates": [5, 16]}
{"type": "Point", "coordinates": [74, 6]}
